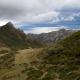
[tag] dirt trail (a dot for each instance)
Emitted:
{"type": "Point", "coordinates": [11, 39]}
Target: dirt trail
{"type": "Point", "coordinates": [26, 55]}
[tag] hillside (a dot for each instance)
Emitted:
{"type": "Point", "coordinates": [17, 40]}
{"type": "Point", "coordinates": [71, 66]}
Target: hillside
{"type": "Point", "coordinates": [59, 62]}
{"type": "Point", "coordinates": [11, 36]}
{"type": "Point", "coordinates": [73, 43]}
{"type": "Point", "coordinates": [64, 59]}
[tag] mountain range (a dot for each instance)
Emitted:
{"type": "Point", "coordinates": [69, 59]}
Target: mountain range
{"type": "Point", "coordinates": [52, 37]}
{"type": "Point", "coordinates": [12, 37]}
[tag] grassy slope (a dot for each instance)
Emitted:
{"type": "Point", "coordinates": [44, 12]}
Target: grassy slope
{"type": "Point", "coordinates": [65, 59]}
{"type": "Point", "coordinates": [11, 36]}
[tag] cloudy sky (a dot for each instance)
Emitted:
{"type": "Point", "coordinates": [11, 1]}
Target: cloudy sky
{"type": "Point", "coordinates": [37, 16]}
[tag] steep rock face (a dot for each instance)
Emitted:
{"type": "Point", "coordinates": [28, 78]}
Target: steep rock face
{"type": "Point", "coordinates": [52, 37]}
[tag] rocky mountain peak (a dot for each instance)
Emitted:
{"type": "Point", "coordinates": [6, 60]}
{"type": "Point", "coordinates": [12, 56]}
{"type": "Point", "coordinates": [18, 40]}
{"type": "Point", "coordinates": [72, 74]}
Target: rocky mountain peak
{"type": "Point", "coordinates": [7, 26]}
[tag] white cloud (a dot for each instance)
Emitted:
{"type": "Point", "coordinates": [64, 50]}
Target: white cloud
{"type": "Point", "coordinates": [38, 30]}
{"type": "Point", "coordinates": [43, 17]}
{"type": "Point", "coordinates": [69, 18]}
{"type": "Point", "coordinates": [34, 10]}
{"type": "Point", "coordinates": [72, 3]}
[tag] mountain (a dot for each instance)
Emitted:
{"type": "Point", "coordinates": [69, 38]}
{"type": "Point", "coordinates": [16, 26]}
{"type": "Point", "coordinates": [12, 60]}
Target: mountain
{"type": "Point", "coordinates": [12, 37]}
{"type": "Point", "coordinates": [16, 38]}
{"type": "Point", "coordinates": [53, 36]}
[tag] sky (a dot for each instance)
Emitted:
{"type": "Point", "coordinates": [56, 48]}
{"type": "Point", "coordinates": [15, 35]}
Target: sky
{"type": "Point", "coordinates": [41, 16]}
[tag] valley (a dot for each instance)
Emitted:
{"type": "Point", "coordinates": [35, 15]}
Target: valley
{"type": "Point", "coordinates": [33, 59]}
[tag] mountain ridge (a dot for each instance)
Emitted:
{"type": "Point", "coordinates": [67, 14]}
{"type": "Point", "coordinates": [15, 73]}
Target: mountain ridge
{"type": "Point", "coordinates": [52, 37]}
{"type": "Point", "coordinates": [13, 37]}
